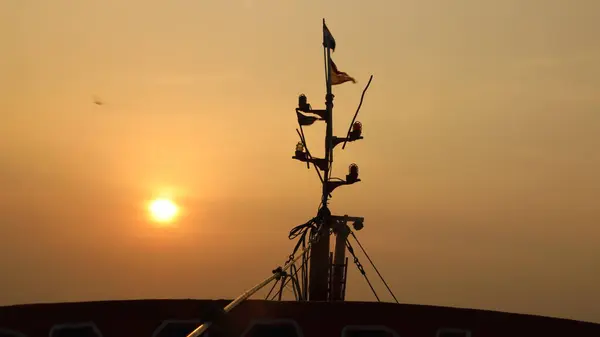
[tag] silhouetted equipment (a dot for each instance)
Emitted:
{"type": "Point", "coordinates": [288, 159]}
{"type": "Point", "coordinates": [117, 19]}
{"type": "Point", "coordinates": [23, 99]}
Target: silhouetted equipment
{"type": "Point", "coordinates": [322, 276]}
{"type": "Point", "coordinates": [319, 288]}
{"type": "Point", "coordinates": [358, 224]}
{"type": "Point", "coordinates": [300, 154]}
{"type": "Point", "coordinates": [356, 130]}
{"type": "Point", "coordinates": [303, 104]}
{"type": "Point", "coordinates": [352, 175]}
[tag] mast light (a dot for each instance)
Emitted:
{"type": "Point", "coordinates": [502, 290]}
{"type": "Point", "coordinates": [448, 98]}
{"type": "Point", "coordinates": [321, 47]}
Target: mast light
{"type": "Point", "coordinates": [356, 131]}
{"type": "Point", "coordinates": [352, 175]}
{"type": "Point", "coordinates": [303, 104]}
{"type": "Point", "coordinates": [300, 154]}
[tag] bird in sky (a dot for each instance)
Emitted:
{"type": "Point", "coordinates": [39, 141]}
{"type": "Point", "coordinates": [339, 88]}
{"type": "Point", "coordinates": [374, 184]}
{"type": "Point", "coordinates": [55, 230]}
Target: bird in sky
{"type": "Point", "coordinates": [98, 101]}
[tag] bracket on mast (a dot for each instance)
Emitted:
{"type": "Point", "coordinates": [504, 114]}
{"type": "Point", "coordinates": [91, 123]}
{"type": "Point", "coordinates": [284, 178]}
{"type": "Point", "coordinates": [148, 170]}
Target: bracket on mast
{"type": "Point", "coordinates": [357, 221]}
{"type": "Point", "coordinates": [353, 135]}
{"type": "Point", "coordinates": [338, 268]}
{"type": "Point", "coordinates": [339, 140]}
{"type": "Point", "coordinates": [351, 178]}
{"type": "Point", "coordinates": [303, 157]}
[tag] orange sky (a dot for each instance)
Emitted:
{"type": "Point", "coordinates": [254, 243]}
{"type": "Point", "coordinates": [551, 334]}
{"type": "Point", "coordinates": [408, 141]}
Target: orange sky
{"type": "Point", "coordinates": [479, 164]}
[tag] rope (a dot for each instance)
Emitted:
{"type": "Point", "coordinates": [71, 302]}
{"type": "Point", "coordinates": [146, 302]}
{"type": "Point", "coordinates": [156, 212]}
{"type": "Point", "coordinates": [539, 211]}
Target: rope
{"type": "Point", "coordinates": [310, 229]}
{"type": "Point", "coordinates": [298, 293]}
{"type": "Point", "coordinates": [270, 291]}
{"type": "Point", "coordinates": [373, 264]}
{"type": "Point", "coordinates": [361, 269]}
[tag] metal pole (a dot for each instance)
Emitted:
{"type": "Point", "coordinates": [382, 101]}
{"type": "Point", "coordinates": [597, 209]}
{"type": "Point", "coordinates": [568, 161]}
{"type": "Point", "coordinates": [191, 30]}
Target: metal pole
{"type": "Point", "coordinates": [342, 231]}
{"type": "Point", "coordinates": [318, 284]}
{"type": "Point", "coordinates": [319, 256]}
{"type": "Point", "coordinates": [329, 131]}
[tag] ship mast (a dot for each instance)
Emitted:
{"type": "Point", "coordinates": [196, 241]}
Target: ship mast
{"type": "Point", "coordinates": [322, 274]}
{"type": "Point", "coordinates": [327, 272]}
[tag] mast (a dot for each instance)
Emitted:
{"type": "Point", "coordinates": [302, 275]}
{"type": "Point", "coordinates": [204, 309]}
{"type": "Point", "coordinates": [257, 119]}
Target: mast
{"type": "Point", "coordinates": [327, 272]}
{"type": "Point", "coordinates": [319, 255]}
{"type": "Point", "coordinates": [329, 121]}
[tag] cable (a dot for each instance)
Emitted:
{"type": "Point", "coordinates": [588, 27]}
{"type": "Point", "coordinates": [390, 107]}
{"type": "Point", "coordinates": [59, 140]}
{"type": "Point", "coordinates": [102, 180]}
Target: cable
{"type": "Point", "coordinates": [373, 264]}
{"type": "Point", "coordinates": [270, 291]}
{"type": "Point", "coordinates": [311, 229]}
{"type": "Point", "coordinates": [361, 269]}
{"type": "Point", "coordinates": [295, 284]}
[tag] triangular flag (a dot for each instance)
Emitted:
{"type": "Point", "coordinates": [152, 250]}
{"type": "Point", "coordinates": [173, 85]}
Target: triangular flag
{"type": "Point", "coordinates": [338, 77]}
{"type": "Point", "coordinates": [306, 120]}
{"type": "Point", "coordinates": [328, 40]}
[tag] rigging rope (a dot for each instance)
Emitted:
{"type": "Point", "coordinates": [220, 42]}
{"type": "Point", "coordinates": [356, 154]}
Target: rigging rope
{"type": "Point", "coordinates": [270, 291]}
{"type": "Point", "coordinates": [373, 264]}
{"type": "Point", "coordinates": [298, 292]}
{"type": "Point", "coordinates": [361, 269]}
{"type": "Point", "coordinates": [306, 229]}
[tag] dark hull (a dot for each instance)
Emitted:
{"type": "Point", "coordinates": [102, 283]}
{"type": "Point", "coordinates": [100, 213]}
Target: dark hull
{"type": "Point", "coordinates": [149, 318]}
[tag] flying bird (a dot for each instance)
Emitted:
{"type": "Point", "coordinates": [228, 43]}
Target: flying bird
{"type": "Point", "coordinates": [98, 101]}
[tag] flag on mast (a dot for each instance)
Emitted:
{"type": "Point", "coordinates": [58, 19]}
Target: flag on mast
{"type": "Point", "coordinates": [328, 40]}
{"type": "Point", "coordinates": [338, 77]}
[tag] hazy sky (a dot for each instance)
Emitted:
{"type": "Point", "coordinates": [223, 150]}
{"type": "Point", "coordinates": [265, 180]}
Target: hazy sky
{"type": "Point", "coordinates": [479, 165]}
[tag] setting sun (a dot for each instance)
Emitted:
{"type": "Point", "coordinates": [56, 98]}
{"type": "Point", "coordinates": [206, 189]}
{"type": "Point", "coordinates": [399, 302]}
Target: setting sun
{"type": "Point", "coordinates": [163, 210]}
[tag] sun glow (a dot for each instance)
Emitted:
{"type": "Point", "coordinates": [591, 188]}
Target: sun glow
{"type": "Point", "coordinates": [163, 210]}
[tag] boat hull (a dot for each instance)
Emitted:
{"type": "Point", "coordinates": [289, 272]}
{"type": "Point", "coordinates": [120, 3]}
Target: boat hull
{"type": "Point", "coordinates": [171, 318]}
